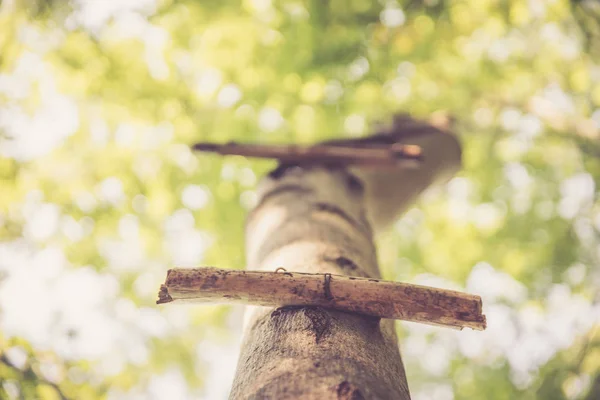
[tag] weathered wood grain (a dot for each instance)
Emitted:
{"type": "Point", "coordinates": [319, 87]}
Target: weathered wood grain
{"type": "Point", "coordinates": [374, 297]}
{"type": "Point", "coordinates": [374, 156]}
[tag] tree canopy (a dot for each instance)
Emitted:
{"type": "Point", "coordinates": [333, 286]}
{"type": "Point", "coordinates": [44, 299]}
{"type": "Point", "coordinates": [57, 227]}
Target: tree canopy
{"type": "Point", "coordinates": [100, 193]}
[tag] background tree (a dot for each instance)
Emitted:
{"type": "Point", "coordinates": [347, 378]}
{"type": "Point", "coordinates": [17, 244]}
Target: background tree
{"type": "Point", "coordinates": [100, 193]}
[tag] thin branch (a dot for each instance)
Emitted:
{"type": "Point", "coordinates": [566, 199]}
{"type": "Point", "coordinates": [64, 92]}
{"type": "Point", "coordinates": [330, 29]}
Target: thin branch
{"type": "Point", "coordinates": [594, 391]}
{"type": "Point", "coordinates": [29, 372]}
{"type": "Point", "coordinates": [373, 297]}
{"type": "Point", "coordinates": [377, 156]}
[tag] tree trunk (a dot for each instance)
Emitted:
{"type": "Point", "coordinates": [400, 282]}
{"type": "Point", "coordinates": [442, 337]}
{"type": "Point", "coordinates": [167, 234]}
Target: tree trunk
{"type": "Point", "coordinates": [319, 219]}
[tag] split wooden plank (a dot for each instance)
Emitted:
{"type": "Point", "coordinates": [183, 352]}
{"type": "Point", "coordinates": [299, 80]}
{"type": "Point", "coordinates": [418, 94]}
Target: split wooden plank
{"type": "Point", "coordinates": [378, 298]}
{"type": "Point", "coordinates": [374, 156]}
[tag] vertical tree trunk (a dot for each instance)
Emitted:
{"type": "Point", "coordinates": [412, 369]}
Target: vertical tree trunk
{"type": "Point", "coordinates": [318, 219]}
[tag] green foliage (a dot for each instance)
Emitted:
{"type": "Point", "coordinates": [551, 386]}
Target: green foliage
{"type": "Point", "coordinates": [100, 193]}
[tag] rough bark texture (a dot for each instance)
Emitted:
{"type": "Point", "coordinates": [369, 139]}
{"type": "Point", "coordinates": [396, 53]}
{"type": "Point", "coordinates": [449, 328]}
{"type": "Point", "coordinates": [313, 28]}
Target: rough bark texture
{"type": "Point", "coordinates": [374, 297]}
{"type": "Point", "coordinates": [317, 219]}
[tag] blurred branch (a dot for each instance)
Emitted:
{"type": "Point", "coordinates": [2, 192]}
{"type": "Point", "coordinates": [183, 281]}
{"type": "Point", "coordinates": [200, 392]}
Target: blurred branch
{"type": "Point", "coordinates": [29, 373]}
{"type": "Point", "coordinates": [585, 138]}
{"type": "Point", "coordinates": [376, 156]}
{"type": "Point", "coordinates": [587, 15]}
{"type": "Point", "coordinates": [594, 393]}
{"type": "Point", "coordinates": [588, 146]}
{"type": "Point", "coordinates": [372, 297]}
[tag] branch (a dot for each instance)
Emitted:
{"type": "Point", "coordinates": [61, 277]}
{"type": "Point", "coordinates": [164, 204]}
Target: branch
{"type": "Point", "coordinates": [29, 373]}
{"type": "Point", "coordinates": [372, 297]}
{"type": "Point", "coordinates": [375, 156]}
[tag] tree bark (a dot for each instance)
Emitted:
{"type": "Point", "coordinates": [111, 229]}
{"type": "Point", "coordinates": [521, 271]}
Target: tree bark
{"type": "Point", "coordinates": [318, 219]}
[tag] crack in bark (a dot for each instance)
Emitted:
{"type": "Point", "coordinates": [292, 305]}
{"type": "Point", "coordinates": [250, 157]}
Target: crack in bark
{"type": "Point", "coordinates": [318, 319]}
{"type": "Point", "coordinates": [284, 169]}
{"type": "Point", "coordinates": [338, 211]}
{"type": "Point", "coordinates": [327, 287]}
{"type": "Point", "coordinates": [355, 184]}
{"type": "Point", "coordinates": [347, 391]}
{"type": "Point", "coordinates": [343, 262]}
{"type": "Point", "coordinates": [284, 188]}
